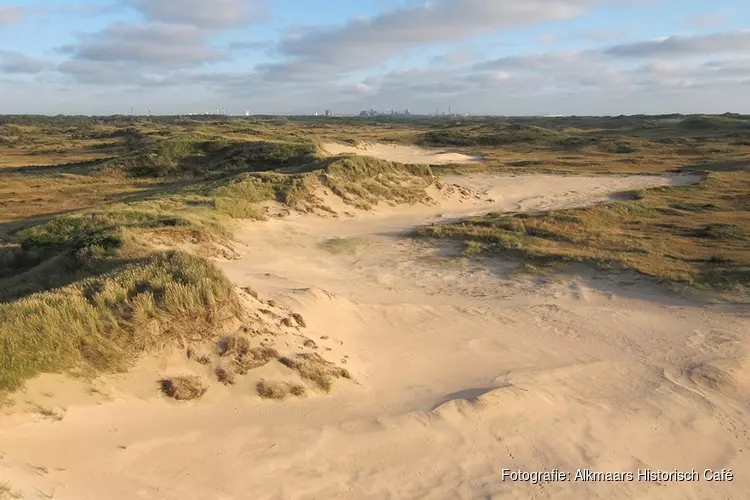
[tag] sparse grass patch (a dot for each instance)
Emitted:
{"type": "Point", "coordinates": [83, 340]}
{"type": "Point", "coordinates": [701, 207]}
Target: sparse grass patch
{"type": "Point", "coordinates": [183, 388]}
{"type": "Point", "coordinates": [225, 375]}
{"type": "Point", "coordinates": [234, 345]}
{"type": "Point", "coordinates": [50, 413]}
{"type": "Point", "coordinates": [312, 367]}
{"type": "Point", "coordinates": [8, 493]}
{"type": "Point", "coordinates": [253, 357]}
{"type": "Point", "coordinates": [297, 317]}
{"type": "Point", "coordinates": [279, 390]}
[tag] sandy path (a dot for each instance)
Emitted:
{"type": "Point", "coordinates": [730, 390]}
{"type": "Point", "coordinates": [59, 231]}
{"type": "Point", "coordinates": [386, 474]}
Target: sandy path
{"type": "Point", "coordinates": [461, 370]}
{"type": "Point", "coordinates": [401, 154]}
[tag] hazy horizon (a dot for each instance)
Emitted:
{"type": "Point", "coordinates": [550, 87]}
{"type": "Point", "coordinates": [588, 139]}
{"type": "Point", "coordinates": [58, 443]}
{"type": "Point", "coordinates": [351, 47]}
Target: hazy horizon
{"type": "Point", "coordinates": [289, 57]}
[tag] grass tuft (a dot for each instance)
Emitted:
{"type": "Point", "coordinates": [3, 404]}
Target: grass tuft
{"type": "Point", "coordinates": [8, 493]}
{"type": "Point", "coordinates": [312, 367]}
{"type": "Point", "coordinates": [183, 388]}
{"type": "Point", "coordinates": [279, 390]}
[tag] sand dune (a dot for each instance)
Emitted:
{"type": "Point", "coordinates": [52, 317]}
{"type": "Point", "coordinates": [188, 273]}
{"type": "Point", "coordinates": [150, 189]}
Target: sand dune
{"type": "Point", "coordinates": [460, 370]}
{"type": "Point", "coordinates": [399, 153]}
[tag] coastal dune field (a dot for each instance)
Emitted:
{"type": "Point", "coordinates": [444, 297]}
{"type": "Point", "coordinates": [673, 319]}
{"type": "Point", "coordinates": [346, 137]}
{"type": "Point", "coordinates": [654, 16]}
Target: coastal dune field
{"type": "Point", "coordinates": [310, 308]}
{"type": "Point", "coordinates": [460, 369]}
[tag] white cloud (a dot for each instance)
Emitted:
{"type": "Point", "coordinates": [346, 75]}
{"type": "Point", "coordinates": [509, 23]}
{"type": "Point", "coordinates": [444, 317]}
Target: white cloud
{"type": "Point", "coordinates": [15, 62]}
{"type": "Point", "coordinates": [136, 53]}
{"type": "Point", "coordinates": [707, 19]}
{"type": "Point", "coordinates": [364, 42]}
{"type": "Point", "coordinates": [675, 46]}
{"type": "Point", "coordinates": [203, 13]}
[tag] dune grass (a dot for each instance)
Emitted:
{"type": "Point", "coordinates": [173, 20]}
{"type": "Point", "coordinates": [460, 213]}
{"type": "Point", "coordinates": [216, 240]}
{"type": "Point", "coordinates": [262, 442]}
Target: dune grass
{"type": "Point", "coordinates": [8, 493]}
{"type": "Point", "coordinates": [364, 181]}
{"type": "Point", "coordinates": [312, 367]}
{"type": "Point", "coordinates": [71, 247]}
{"type": "Point", "coordinates": [105, 322]}
{"type": "Point", "coordinates": [184, 387]}
{"type": "Point", "coordinates": [697, 235]}
{"type": "Point", "coordinates": [279, 390]}
{"type": "Point", "coordinates": [359, 181]}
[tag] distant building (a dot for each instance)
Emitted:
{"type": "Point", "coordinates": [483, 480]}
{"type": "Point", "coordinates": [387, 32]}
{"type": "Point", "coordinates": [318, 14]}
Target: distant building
{"type": "Point", "coordinates": [389, 112]}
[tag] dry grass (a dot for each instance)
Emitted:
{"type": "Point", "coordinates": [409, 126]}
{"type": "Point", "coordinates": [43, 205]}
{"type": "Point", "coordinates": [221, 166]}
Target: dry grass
{"type": "Point", "coordinates": [255, 357]}
{"type": "Point", "coordinates": [50, 413]}
{"type": "Point", "coordinates": [8, 493]}
{"type": "Point", "coordinates": [244, 356]}
{"type": "Point", "coordinates": [226, 376]}
{"type": "Point", "coordinates": [29, 197]}
{"type": "Point", "coordinates": [297, 317]}
{"type": "Point", "coordinates": [279, 390]}
{"type": "Point", "coordinates": [184, 388]}
{"type": "Point", "coordinates": [312, 367]}
{"type": "Point", "coordinates": [234, 345]}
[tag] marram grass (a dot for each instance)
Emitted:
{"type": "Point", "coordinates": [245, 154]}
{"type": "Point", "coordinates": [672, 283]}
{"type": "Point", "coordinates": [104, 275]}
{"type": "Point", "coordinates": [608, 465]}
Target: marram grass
{"type": "Point", "coordinates": [105, 322]}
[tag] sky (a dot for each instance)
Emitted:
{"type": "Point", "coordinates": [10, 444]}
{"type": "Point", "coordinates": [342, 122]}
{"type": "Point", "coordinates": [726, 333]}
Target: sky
{"type": "Point", "coordinates": [506, 57]}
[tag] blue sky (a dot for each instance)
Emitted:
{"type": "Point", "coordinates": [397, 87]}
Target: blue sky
{"type": "Point", "coordinates": [302, 56]}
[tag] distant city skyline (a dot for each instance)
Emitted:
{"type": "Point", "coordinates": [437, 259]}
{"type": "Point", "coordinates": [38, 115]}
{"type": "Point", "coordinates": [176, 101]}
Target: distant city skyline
{"type": "Point", "coordinates": [537, 57]}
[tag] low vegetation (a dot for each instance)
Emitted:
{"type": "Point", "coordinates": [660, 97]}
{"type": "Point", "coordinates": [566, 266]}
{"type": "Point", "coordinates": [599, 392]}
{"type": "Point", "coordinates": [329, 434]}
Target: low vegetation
{"type": "Point", "coordinates": [104, 322]}
{"type": "Point", "coordinates": [500, 134]}
{"type": "Point", "coordinates": [697, 235]}
{"type": "Point", "coordinates": [194, 155]}
{"type": "Point", "coordinates": [279, 390]}
{"type": "Point", "coordinates": [312, 367]}
{"type": "Point", "coordinates": [50, 413]}
{"type": "Point", "coordinates": [184, 387]}
{"type": "Point", "coordinates": [8, 493]}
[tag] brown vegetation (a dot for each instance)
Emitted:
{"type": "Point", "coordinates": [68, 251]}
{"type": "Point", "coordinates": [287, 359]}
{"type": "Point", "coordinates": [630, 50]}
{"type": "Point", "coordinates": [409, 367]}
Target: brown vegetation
{"type": "Point", "coordinates": [279, 390]}
{"type": "Point", "coordinates": [184, 388]}
{"type": "Point", "coordinates": [312, 367]}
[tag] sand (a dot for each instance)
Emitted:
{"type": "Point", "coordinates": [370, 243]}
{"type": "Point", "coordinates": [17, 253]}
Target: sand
{"type": "Point", "coordinates": [399, 153]}
{"type": "Point", "coordinates": [461, 369]}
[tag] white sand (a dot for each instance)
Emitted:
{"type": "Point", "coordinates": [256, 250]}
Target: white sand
{"type": "Point", "coordinates": [461, 370]}
{"type": "Point", "coordinates": [402, 154]}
